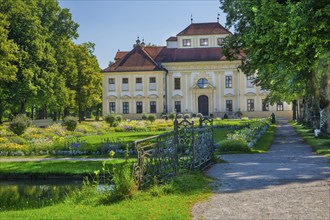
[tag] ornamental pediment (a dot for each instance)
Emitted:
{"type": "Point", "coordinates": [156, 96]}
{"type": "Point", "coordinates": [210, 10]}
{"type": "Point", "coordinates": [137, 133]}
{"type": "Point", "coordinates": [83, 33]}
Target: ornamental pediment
{"type": "Point", "coordinates": [250, 94]}
{"type": "Point", "coordinates": [111, 97]}
{"type": "Point", "coordinates": [177, 96]}
{"type": "Point", "coordinates": [139, 97]}
{"type": "Point", "coordinates": [125, 97]}
{"type": "Point", "coordinates": [153, 96]}
{"type": "Point", "coordinates": [229, 95]}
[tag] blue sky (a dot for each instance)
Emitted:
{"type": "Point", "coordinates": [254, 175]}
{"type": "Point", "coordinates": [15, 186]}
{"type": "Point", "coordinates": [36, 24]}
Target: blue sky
{"type": "Point", "coordinates": [114, 25]}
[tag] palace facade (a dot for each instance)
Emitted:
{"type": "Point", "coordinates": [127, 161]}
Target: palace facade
{"type": "Point", "coordinates": [188, 75]}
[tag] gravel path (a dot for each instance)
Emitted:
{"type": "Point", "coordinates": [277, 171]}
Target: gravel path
{"type": "Point", "coordinates": [287, 182]}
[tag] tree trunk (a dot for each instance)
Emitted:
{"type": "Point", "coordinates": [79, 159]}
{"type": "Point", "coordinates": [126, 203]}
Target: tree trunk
{"type": "Point", "coordinates": [66, 112]}
{"type": "Point", "coordinates": [32, 112]}
{"type": "Point", "coordinates": [23, 107]}
{"type": "Point", "coordinates": [294, 110]}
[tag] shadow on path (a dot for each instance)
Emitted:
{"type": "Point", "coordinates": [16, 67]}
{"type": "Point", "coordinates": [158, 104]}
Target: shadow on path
{"type": "Point", "coordinates": [287, 182]}
{"type": "Point", "coordinates": [288, 160]}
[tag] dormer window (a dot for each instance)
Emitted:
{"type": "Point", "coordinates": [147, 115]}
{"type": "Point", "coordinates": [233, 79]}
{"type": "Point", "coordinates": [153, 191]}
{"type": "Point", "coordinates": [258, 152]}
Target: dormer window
{"type": "Point", "coordinates": [204, 42]}
{"type": "Point", "coordinates": [186, 42]}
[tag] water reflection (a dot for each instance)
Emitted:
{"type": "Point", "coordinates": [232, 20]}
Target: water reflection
{"type": "Point", "coordinates": [34, 194]}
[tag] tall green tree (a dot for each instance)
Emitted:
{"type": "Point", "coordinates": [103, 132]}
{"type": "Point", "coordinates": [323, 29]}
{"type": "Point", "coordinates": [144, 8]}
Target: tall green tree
{"type": "Point", "coordinates": [8, 70]}
{"type": "Point", "coordinates": [88, 87]}
{"type": "Point", "coordinates": [286, 43]}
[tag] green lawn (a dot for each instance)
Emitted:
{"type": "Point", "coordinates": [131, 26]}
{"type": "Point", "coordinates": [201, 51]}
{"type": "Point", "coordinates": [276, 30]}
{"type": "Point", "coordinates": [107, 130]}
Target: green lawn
{"type": "Point", "coordinates": [56, 167]}
{"type": "Point", "coordinates": [173, 202]}
{"type": "Point", "coordinates": [320, 145]}
{"type": "Point", "coordinates": [221, 134]}
{"type": "Point", "coordinates": [121, 136]}
{"type": "Point", "coordinates": [266, 140]}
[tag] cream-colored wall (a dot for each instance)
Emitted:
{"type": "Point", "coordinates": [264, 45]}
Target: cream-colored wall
{"type": "Point", "coordinates": [195, 40]}
{"type": "Point", "coordinates": [215, 72]}
{"type": "Point", "coordinates": [132, 95]}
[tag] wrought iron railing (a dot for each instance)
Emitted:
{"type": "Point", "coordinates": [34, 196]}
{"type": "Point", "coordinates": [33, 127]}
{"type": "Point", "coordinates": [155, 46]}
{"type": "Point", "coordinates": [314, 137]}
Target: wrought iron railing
{"type": "Point", "coordinates": [165, 155]}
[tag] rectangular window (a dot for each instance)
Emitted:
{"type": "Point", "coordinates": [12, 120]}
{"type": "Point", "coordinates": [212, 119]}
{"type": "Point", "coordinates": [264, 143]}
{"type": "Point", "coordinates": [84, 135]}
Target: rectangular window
{"type": "Point", "coordinates": [249, 81]}
{"type": "Point", "coordinates": [203, 42]}
{"type": "Point", "coordinates": [139, 107]}
{"type": "Point", "coordinates": [177, 106]}
{"type": "Point", "coordinates": [138, 84]}
{"type": "Point", "coordinates": [229, 105]}
{"type": "Point", "coordinates": [220, 41]}
{"type": "Point", "coordinates": [250, 105]}
{"type": "Point", "coordinates": [229, 82]}
{"type": "Point", "coordinates": [112, 107]}
{"type": "Point", "coordinates": [152, 83]}
{"type": "Point", "coordinates": [265, 105]}
{"type": "Point", "coordinates": [152, 107]}
{"type": "Point", "coordinates": [125, 84]}
{"type": "Point", "coordinates": [177, 83]}
{"type": "Point", "coordinates": [125, 107]}
{"type": "Point", "coordinates": [112, 84]}
{"type": "Point", "coordinates": [280, 106]}
{"type": "Point", "coordinates": [186, 42]}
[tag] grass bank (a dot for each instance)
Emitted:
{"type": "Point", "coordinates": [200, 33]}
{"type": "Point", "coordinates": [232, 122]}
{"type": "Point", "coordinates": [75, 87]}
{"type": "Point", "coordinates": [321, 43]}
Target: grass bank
{"type": "Point", "coordinates": [66, 167]}
{"type": "Point", "coordinates": [320, 145]}
{"type": "Point", "coordinates": [172, 201]}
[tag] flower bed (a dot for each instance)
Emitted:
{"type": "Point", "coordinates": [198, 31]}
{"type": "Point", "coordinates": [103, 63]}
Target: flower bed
{"type": "Point", "coordinates": [251, 134]}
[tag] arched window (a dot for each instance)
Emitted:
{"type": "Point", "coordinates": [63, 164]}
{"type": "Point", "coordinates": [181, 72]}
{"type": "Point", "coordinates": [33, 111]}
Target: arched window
{"type": "Point", "coordinates": [202, 83]}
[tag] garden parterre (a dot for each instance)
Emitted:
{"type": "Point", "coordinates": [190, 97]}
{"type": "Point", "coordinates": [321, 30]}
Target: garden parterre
{"type": "Point", "coordinates": [91, 137]}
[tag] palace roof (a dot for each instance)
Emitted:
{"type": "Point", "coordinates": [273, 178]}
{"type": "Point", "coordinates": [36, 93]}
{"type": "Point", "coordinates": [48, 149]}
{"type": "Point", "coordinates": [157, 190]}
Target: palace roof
{"type": "Point", "coordinates": [204, 29]}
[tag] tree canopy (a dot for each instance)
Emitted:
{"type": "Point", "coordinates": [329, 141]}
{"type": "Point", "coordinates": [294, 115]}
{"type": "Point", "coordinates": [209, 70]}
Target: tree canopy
{"type": "Point", "coordinates": [41, 68]}
{"type": "Point", "coordinates": [287, 44]}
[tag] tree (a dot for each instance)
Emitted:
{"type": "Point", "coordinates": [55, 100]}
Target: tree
{"type": "Point", "coordinates": [8, 53]}
{"type": "Point", "coordinates": [286, 43]}
{"type": "Point", "coordinates": [88, 87]}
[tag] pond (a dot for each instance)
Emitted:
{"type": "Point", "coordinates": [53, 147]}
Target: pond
{"type": "Point", "coordinates": [27, 194]}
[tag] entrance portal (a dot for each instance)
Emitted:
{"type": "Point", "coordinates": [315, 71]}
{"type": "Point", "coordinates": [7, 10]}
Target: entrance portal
{"type": "Point", "coordinates": [203, 105]}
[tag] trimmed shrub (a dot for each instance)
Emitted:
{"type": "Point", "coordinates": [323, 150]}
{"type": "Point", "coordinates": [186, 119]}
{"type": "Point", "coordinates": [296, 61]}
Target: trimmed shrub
{"type": "Point", "coordinates": [199, 115]}
{"type": "Point", "coordinates": [144, 116]}
{"type": "Point", "coordinates": [119, 118]}
{"type": "Point", "coordinates": [186, 116]}
{"type": "Point", "coordinates": [110, 119]}
{"type": "Point", "coordinates": [151, 118]}
{"type": "Point", "coordinates": [225, 116]}
{"type": "Point", "coordinates": [19, 124]}
{"type": "Point", "coordinates": [115, 123]}
{"type": "Point", "coordinates": [194, 115]}
{"type": "Point", "coordinates": [172, 116]}
{"type": "Point", "coordinates": [164, 116]}
{"type": "Point", "coordinates": [180, 116]}
{"type": "Point", "coordinates": [70, 123]}
{"type": "Point", "coordinates": [234, 146]}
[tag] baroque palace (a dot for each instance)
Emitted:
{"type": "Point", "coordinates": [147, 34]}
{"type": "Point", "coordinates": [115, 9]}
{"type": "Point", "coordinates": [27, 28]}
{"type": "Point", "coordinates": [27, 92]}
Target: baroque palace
{"type": "Point", "coordinates": [188, 75]}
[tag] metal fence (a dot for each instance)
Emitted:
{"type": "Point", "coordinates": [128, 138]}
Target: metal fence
{"type": "Point", "coordinates": [188, 147]}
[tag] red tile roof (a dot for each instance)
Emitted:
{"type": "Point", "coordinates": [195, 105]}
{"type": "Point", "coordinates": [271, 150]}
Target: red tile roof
{"type": "Point", "coordinates": [204, 29]}
{"type": "Point", "coordinates": [172, 39]}
{"type": "Point", "coordinates": [189, 55]}
{"type": "Point", "coordinates": [136, 60]}
{"type": "Point", "coordinates": [120, 54]}
{"type": "Point", "coordinates": [149, 58]}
